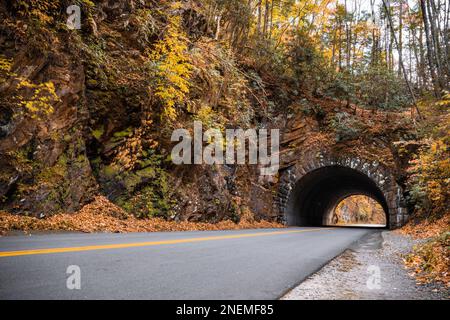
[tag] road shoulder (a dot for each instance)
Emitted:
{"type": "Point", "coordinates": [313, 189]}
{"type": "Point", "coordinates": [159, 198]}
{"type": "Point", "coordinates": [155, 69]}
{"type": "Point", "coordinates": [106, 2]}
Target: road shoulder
{"type": "Point", "coordinates": [370, 269]}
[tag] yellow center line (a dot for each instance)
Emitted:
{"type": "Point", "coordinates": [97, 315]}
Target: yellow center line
{"type": "Point", "coordinates": [149, 243]}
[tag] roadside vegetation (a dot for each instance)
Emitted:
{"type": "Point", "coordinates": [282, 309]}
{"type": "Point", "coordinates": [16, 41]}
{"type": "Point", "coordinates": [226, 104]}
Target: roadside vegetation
{"type": "Point", "coordinates": [429, 185]}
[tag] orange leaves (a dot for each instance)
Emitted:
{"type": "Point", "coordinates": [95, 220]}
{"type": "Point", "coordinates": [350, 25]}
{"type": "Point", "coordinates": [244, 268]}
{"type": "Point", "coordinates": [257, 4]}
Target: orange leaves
{"type": "Point", "coordinates": [430, 260]}
{"type": "Point", "coordinates": [426, 228]}
{"type": "Point", "coordinates": [103, 216]}
{"type": "Point", "coordinates": [430, 171]}
{"type": "Point", "coordinates": [430, 176]}
{"type": "Point", "coordinates": [429, 185]}
{"type": "Point", "coordinates": [136, 144]}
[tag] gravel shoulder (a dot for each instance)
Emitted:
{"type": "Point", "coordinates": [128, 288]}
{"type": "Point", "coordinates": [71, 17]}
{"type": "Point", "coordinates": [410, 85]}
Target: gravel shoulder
{"type": "Point", "coordinates": [371, 269]}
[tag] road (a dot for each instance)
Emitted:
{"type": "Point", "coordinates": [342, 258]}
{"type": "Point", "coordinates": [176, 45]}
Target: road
{"type": "Point", "coordinates": [237, 264]}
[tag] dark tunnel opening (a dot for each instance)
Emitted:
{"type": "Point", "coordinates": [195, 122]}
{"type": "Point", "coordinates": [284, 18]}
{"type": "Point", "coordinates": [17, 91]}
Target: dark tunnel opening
{"type": "Point", "coordinates": [315, 196]}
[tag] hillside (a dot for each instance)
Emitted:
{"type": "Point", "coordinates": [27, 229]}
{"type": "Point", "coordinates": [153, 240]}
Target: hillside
{"type": "Point", "coordinates": [91, 112]}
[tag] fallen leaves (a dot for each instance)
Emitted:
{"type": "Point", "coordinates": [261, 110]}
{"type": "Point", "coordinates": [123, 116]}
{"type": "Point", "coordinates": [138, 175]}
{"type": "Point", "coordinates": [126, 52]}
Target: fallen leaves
{"type": "Point", "coordinates": [426, 228]}
{"type": "Point", "coordinates": [103, 216]}
{"type": "Point", "coordinates": [430, 260]}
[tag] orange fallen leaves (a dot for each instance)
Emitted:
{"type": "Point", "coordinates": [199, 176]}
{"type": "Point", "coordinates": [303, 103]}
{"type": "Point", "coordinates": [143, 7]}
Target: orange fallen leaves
{"type": "Point", "coordinates": [426, 228]}
{"type": "Point", "coordinates": [430, 261]}
{"type": "Point", "coordinates": [103, 216]}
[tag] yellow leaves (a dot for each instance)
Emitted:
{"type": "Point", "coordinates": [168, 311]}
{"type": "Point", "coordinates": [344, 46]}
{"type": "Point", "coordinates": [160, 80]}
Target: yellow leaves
{"type": "Point", "coordinates": [41, 10]}
{"type": "Point", "coordinates": [42, 98]}
{"type": "Point", "coordinates": [34, 100]}
{"type": "Point", "coordinates": [5, 64]}
{"type": "Point", "coordinates": [209, 117]}
{"type": "Point", "coordinates": [430, 171]}
{"type": "Point", "coordinates": [434, 189]}
{"type": "Point", "coordinates": [5, 69]}
{"type": "Point", "coordinates": [176, 5]}
{"type": "Point", "coordinates": [431, 175]}
{"type": "Point", "coordinates": [173, 68]}
{"type": "Point", "coordinates": [445, 100]}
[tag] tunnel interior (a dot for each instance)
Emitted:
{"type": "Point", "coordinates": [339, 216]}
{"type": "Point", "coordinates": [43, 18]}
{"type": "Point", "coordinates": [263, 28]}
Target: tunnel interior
{"type": "Point", "coordinates": [316, 194]}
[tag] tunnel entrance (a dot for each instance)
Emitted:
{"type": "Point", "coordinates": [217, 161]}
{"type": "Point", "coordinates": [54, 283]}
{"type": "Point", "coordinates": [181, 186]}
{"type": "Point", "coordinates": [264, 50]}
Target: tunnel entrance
{"type": "Point", "coordinates": [316, 194]}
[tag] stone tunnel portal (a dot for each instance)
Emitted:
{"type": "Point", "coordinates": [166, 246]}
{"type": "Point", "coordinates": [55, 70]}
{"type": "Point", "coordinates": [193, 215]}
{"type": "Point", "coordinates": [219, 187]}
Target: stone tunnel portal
{"type": "Point", "coordinates": [315, 195]}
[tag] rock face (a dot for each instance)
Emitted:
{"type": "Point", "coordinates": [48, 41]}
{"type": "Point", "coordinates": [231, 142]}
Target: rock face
{"type": "Point", "coordinates": [45, 165]}
{"type": "Point", "coordinates": [102, 131]}
{"type": "Point", "coordinates": [77, 119]}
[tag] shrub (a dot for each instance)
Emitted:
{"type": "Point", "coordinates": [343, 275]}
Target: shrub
{"type": "Point", "coordinates": [430, 177]}
{"type": "Point", "coordinates": [429, 182]}
{"type": "Point", "coordinates": [345, 126]}
{"type": "Point", "coordinates": [172, 68]}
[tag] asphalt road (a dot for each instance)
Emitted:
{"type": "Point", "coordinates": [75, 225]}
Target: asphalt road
{"type": "Point", "coordinates": [238, 264]}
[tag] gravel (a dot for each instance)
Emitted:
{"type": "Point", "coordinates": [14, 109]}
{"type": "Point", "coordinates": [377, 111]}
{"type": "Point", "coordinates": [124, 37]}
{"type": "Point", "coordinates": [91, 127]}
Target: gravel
{"type": "Point", "coordinates": [371, 269]}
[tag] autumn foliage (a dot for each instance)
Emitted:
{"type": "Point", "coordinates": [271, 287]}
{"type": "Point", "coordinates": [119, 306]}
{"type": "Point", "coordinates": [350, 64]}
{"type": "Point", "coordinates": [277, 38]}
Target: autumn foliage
{"type": "Point", "coordinates": [173, 69]}
{"type": "Point", "coordinates": [429, 185]}
{"type": "Point", "coordinates": [103, 216]}
{"type": "Point", "coordinates": [359, 209]}
{"type": "Point", "coordinates": [430, 170]}
{"type": "Point", "coordinates": [430, 260]}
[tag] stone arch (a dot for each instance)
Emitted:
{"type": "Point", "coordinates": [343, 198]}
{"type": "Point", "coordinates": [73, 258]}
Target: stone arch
{"type": "Point", "coordinates": [309, 189]}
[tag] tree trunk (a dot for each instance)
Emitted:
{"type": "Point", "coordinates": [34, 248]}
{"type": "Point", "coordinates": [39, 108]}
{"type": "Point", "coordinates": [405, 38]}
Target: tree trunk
{"type": "Point", "coordinates": [430, 51]}
{"type": "Point", "coordinates": [400, 60]}
{"type": "Point", "coordinates": [258, 25]}
{"type": "Point", "coordinates": [400, 35]}
{"type": "Point", "coordinates": [436, 43]}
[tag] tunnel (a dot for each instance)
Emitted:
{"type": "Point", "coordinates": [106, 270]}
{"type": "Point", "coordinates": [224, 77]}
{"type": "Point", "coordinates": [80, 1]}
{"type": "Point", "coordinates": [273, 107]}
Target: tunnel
{"type": "Point", "coordinates": [315, 195]}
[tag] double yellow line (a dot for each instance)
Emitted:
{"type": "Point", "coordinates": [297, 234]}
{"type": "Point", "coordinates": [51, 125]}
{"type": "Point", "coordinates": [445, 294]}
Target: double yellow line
{"type": "Point", "coordinates": [149, 243]}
